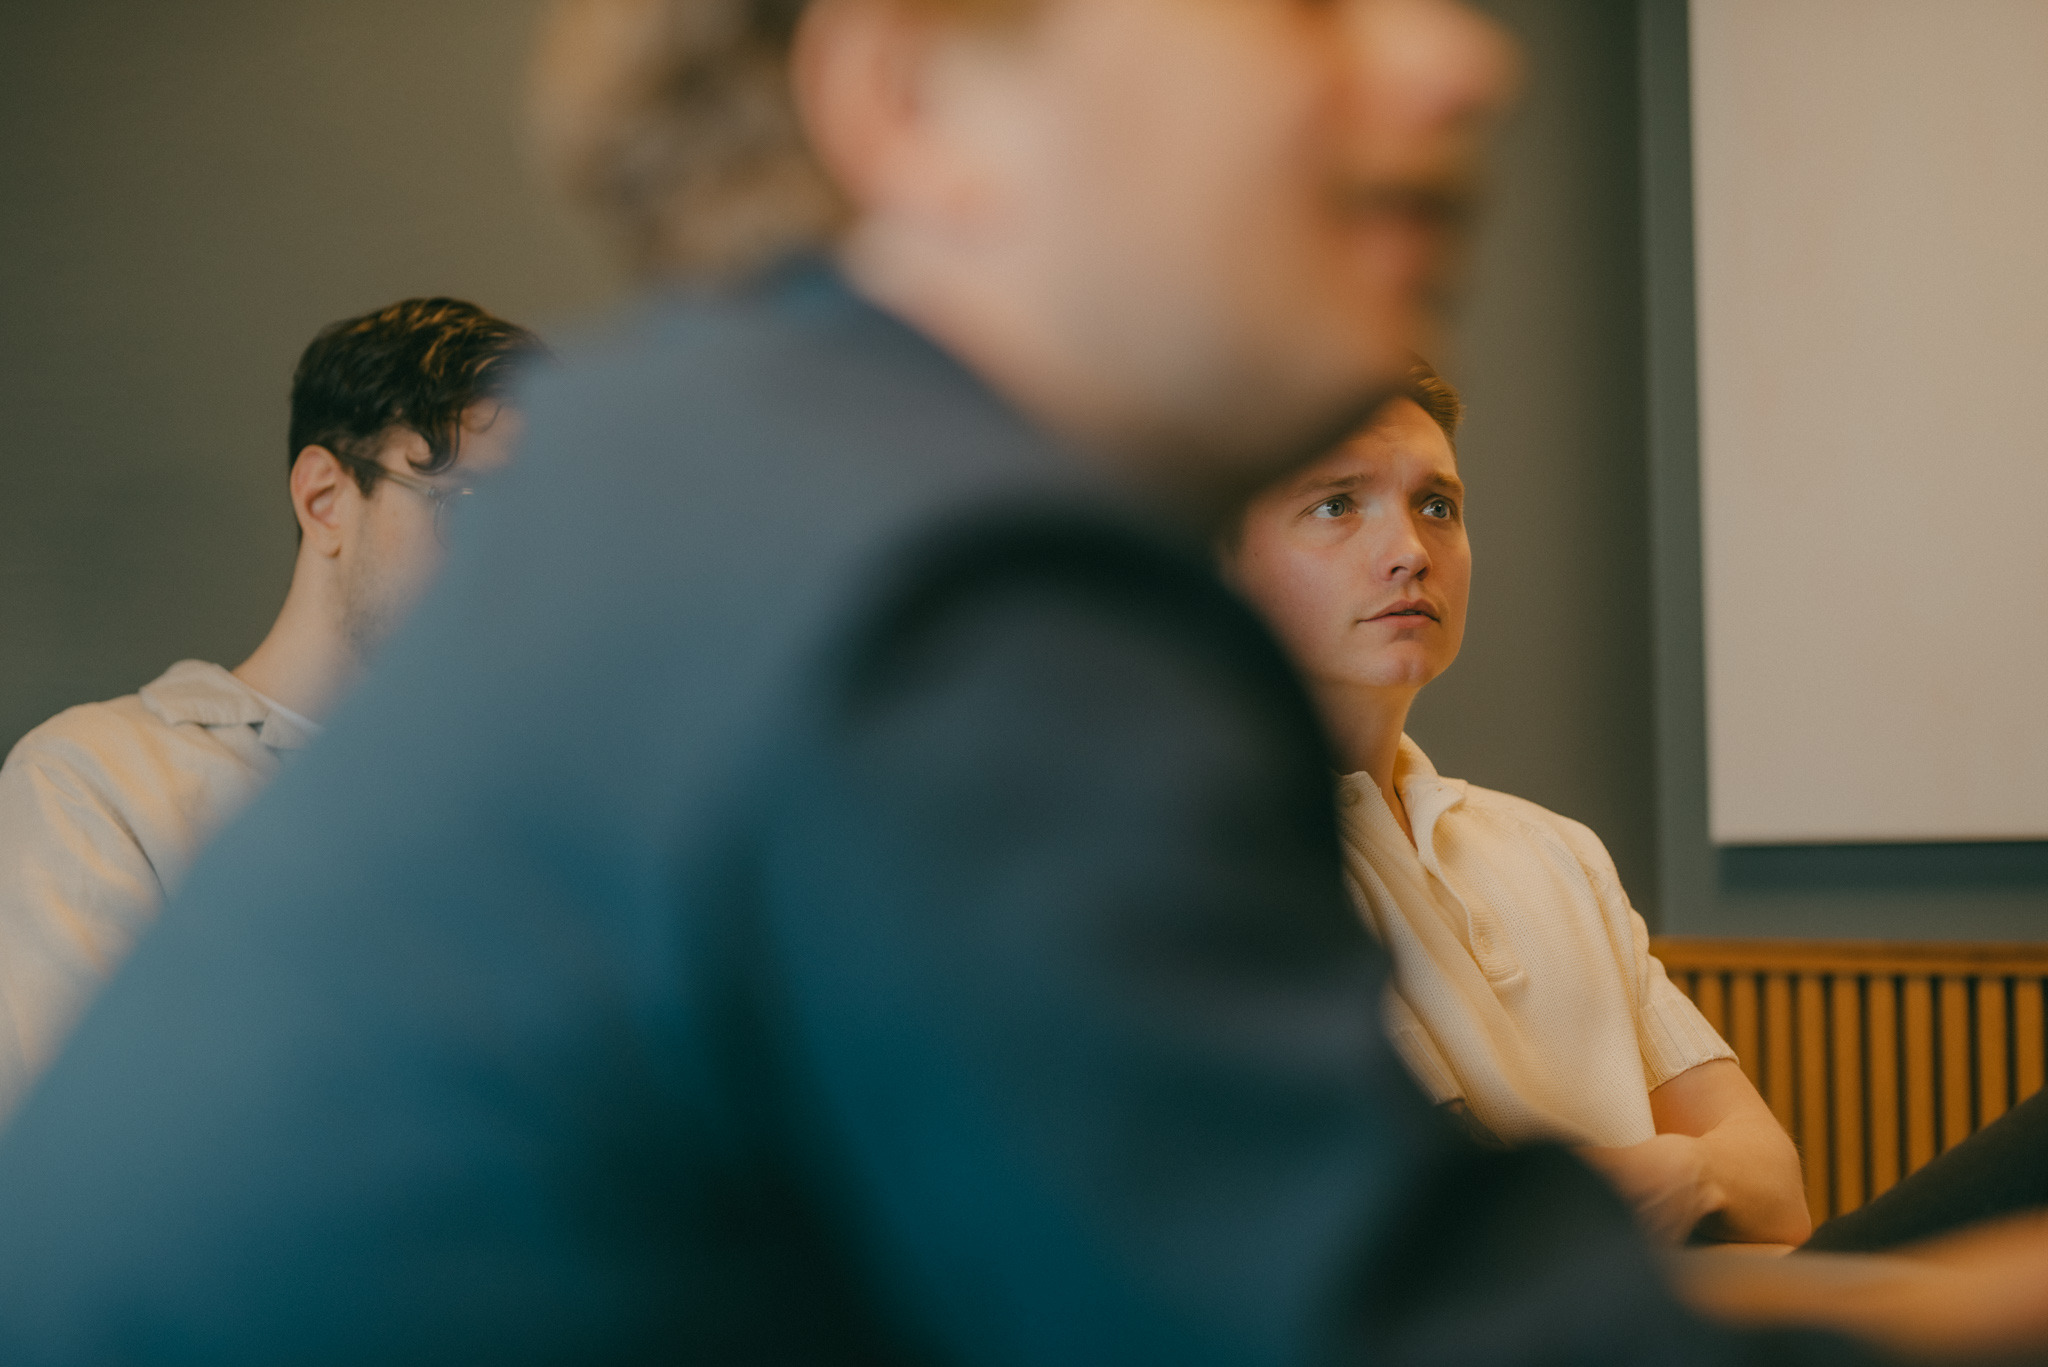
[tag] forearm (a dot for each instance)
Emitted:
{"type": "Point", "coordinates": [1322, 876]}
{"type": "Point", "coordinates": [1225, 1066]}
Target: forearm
{"type": "Point", "coordinates": [1976, 1293]}
{"type": "Point", "coordinates": [1754, 1167]}
{"type": "Point", "coordinates": [1736, 1182]}
{"type": "Point", "coordinates": [1720, 1159]}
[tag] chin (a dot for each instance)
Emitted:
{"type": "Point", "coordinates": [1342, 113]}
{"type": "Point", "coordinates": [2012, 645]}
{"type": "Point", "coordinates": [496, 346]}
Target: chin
{"type": "Point", "coordinates": [1397, 675]}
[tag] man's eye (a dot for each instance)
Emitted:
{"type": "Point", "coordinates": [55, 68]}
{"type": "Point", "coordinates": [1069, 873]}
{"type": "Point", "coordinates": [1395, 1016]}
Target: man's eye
{"type": "Point", "coordinates": [1331, 507]}
{"type": "Point", "coordinates": [1439, 508]}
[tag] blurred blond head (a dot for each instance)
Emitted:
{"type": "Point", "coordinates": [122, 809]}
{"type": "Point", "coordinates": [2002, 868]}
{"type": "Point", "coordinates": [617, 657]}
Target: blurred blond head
{"type": "Point", "coordinates": [674, 122]}
{"type": "Point", "coordinates": [1196, 236]}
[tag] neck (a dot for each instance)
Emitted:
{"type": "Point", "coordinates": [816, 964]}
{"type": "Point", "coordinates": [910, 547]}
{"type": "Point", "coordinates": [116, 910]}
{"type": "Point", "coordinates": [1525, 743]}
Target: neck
{"type": "Point", "coordinates": [1365, 726]}
{"type": "Point", "coordinates": [305, 662]}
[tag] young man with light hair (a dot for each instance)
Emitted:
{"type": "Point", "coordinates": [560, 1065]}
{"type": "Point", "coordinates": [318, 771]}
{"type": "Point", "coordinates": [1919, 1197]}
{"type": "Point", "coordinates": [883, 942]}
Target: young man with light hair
{"type": "Point", "coordinates": [831, 876]}
{"type": "Point", "coordinates": [103, 807]}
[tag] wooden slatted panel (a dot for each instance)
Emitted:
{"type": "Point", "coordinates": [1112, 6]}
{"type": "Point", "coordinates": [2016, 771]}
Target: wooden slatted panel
{"type": "Point", "coordinates": [1846, 1040]}
{"type": "Point", "coordinates": [1712, 999]}
{"type": "Point", "coordinates": [1991, 1050]}
{"type": "Point", "coordinates": [1744, 1026]}
{"type": "Point", "coordinates": [1811, 995]}
{"type": "Point", "coordinates": [2029, 1049]}
{"type": "Point", "coordinates": [1777, 1031]}
{"type": "Point", "coordinates": [1918, 991]}
{"type": "Point", "coordinates": [1874, 1055]}
{"type": "Point", "coordinates": [1881, 1041]}
{"type": "Point", "coordinates": [1952, 996]}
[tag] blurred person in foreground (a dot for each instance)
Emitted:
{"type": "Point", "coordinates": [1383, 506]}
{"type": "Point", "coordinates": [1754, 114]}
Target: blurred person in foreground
{"type": "Point", "coordinates": [830, 875]}
{"type": "Point", "coordinates": [103, 807]}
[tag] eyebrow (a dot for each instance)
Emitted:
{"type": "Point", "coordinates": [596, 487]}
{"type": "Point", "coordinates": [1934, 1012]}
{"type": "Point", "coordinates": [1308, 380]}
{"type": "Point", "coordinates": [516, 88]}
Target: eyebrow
{"type": "Point", "coordinates": [1338, 484]}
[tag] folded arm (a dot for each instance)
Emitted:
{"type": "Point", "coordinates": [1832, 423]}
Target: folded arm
{"type": "Point", "coordinates": [1721, 1166]}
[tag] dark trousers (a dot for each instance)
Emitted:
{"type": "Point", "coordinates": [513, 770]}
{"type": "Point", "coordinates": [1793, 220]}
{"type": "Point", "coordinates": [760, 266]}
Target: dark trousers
{"type": "Point", "coordinates": [2000, 1170]}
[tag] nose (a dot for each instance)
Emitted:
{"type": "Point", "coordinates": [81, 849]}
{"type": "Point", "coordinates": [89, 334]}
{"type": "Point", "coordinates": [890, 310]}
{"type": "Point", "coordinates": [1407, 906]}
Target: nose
{"type": "Point", "coordinates": [1402, 554]}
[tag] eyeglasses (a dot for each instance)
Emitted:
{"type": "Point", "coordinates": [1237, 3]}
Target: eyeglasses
{"type": "Point", "coordinates": [445, 500]}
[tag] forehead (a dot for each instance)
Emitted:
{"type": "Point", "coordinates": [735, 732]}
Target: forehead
{"type": "Point", "coordinates": [490, 428]}
{"type": "Point", "coordinates": [1401, 441]}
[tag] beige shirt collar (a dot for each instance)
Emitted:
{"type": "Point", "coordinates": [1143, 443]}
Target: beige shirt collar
{"type": "Point", "coordinates": [1425, 794]}
{"type": "Point", "coordinates": [194, 691]}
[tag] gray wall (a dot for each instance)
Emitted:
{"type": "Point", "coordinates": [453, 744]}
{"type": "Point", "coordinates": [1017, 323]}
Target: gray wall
{"type": "Point", "coordinates": [190, 191]}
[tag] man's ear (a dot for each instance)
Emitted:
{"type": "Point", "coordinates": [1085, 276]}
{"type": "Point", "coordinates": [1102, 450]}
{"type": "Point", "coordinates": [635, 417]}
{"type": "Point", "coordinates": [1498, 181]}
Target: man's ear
{"type": "Point", "coordinates": [869, 84]}
{"type": "Point", "coordinates": [321, 488]}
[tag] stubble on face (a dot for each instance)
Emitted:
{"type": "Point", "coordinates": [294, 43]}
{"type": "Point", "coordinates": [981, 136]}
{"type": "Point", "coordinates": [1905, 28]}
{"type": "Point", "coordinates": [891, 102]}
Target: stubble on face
{"type": "Point", "coordinates": [380, 585]}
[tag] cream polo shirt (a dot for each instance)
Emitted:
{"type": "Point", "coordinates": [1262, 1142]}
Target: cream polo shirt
{"type": "Point", "coordinates": [1524, 981]}
{"type": "Point", "coordinates": [102, 809]}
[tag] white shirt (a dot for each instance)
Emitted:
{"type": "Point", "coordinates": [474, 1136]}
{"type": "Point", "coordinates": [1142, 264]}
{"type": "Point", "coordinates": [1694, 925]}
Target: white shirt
{"type": "Point", "coordinates": [1524, 981]}
{"type": "Point", "coordinates": [102, 809]}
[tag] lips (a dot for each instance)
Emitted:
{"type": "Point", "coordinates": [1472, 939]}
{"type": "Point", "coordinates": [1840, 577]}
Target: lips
{"type": "Point", "coordinates": [1411, 611]}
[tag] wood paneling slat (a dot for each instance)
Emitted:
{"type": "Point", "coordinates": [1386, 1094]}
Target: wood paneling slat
{"type": "Point", "coordinates": [1811, 995]}
{"type": "Point", "coordinates": [1777, 1042]}
{"type": "Point", "coordinates": [1845, 1006]}
{"type": "Point", "coordinates": [1744, 1027]}
{"type": "Point", "coordinates": [2029, 1049]}
{"type": "Point", "coordinates": [1712, 999]}
{"type": "Point", "coordinates": [1918, 994]}
{"type": "Point", "coordinates": [1957, 1080]}
{"type": "Point", "coordinates": [1881, 1042]}
{"type": "Point", "coordinates": [1992, 1100]}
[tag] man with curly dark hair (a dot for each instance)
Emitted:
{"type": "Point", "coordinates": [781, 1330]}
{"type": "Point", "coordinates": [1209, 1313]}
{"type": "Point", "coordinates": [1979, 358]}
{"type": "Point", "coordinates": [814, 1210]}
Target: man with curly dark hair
{"type": "Point", "coordinates": [103, 806]}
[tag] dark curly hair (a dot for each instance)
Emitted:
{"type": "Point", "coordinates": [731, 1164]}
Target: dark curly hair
{"type": "Point", "coordinates": [418, 364]}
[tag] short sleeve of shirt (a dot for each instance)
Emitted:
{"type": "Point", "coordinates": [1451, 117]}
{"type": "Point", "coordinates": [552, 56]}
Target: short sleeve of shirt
{"type": "Point", "coordinates": [1673, 1035]}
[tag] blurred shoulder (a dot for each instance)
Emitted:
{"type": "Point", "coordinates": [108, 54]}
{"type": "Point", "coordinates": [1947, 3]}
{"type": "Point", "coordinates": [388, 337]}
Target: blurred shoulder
{"type": "Point", "coordinates": [1094, 559]}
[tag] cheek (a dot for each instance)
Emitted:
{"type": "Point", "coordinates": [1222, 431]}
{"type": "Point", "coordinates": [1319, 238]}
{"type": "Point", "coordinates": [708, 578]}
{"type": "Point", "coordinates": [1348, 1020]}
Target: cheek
{"type": "Point", "coordinates": [1459, 581]}
{"type": "Point", "coordinates": [404, 548]}
{"type": "Point", "coordinates": [1302, 598]}
{"type": "Point", "coordinates": [1454, 589]}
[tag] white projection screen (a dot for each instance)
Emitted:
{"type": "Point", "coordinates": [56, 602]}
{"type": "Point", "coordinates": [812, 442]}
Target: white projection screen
{"type": "Point", "coordinates": [1871, 210]}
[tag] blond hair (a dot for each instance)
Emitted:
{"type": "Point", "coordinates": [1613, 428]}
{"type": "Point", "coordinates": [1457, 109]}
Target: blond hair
{"type": "Point", "coordinates": [674, 121]}
{"type": "Point", "coordinates": [1434, 395]}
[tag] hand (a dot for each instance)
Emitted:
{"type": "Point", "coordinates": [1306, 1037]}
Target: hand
{"type": "Point", "coordinates": [1665, 1179]}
